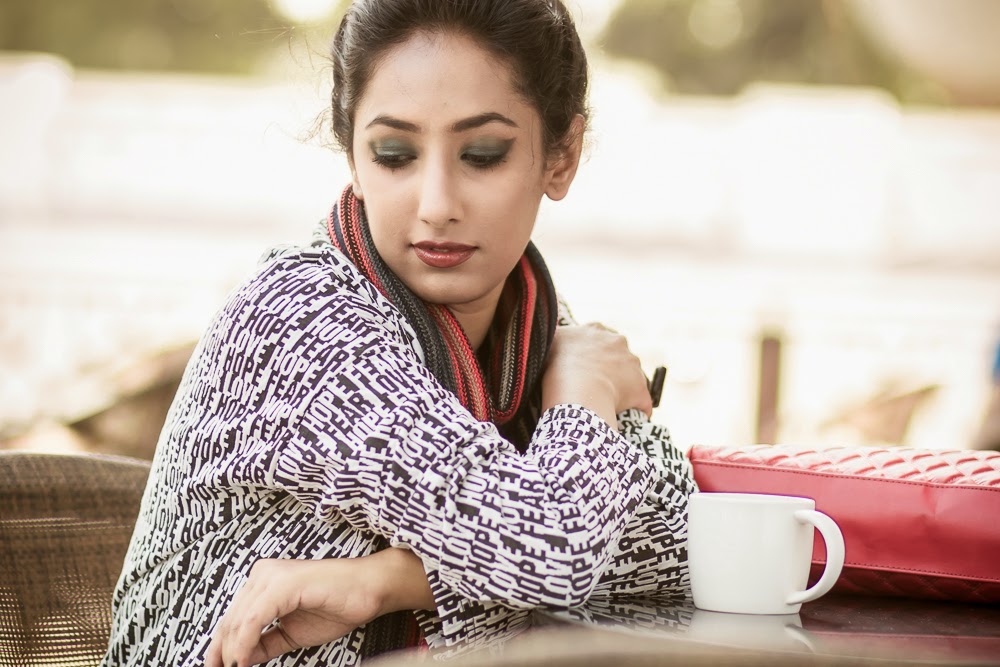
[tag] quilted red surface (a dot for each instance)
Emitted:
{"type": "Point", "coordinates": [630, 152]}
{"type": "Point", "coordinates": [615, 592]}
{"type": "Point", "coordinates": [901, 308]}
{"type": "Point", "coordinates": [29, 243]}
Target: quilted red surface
{"type": "Point", "coordinates": [916, 522]}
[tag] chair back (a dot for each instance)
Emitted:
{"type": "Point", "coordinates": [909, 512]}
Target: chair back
{"type": "Point", "coordinates": [65, 524]}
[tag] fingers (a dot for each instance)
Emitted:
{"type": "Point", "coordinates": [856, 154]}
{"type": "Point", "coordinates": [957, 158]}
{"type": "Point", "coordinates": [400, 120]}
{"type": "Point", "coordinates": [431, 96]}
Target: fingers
{"type": "Point", "coordinates": [273, 643]}
{"type": "Point", "coordinates": [598, 358]}
{"type": "Point", "coordinates": [642, 399]}
{"type": "Point", "coordinates": [636, 391]}
{"type": "Point", "coordinates": [601, 326]}
{"type": "Point", "coordinates": [237, 640]}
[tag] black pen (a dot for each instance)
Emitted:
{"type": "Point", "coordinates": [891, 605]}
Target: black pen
{"type": "Point", "coordinates": [656, 384]}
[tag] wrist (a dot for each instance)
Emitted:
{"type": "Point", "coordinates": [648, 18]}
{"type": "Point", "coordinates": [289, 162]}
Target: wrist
{"type": "Point", "coordinates": [397, 580]}
{"type": "Point", "coordinates": [596, 394]}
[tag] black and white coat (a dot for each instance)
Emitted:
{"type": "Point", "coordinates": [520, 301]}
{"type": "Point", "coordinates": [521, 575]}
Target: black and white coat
{"type": "Point", "coordinates": [307, 426]}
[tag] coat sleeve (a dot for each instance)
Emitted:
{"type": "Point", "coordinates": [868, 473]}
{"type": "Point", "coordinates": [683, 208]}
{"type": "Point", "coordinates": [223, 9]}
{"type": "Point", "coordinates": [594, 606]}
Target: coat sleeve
{"type": "Point", "coordinates": [338, 411]}
{"type": "Point", "coordinates": [650, 558]}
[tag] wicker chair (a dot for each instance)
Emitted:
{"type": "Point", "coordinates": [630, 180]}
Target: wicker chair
{"type": "Point", "coordinates": [65, 523]}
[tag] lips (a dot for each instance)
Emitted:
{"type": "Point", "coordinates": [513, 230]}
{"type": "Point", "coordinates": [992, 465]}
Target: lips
{"type": "Point", "coordinates": [443, 255]}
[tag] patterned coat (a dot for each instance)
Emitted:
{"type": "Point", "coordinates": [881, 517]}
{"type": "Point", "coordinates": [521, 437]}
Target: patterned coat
{"type": "Point", "coordinates": [307, 426]}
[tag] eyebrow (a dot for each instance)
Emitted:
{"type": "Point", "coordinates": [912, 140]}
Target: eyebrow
{"type": "Point", "coordinates": [480, 120]}
{"type": "Point", "coordinates": [459, 126]}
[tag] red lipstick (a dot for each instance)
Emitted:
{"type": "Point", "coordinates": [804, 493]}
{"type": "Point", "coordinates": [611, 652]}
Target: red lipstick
{"type": "Point", "coordinates": [443, 255]}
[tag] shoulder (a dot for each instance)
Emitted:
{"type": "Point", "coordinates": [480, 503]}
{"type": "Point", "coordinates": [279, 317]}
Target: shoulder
{"type": "Point", "coordinates": [308, 285]}
{"type": "Point", "coordinates": [316, 269]}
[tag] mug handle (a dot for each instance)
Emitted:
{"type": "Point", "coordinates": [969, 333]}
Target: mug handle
{"type": "Point", "coordinates": [834, 555]}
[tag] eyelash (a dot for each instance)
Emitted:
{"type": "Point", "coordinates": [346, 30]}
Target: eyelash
{"type": "Point", "coordinates": [483, 162]}
{"type": "Point", "coordinates": [392, 162]}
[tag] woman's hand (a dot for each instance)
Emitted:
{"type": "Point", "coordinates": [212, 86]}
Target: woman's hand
{"type": "Point", "coordinates": [315, 601]}
{"type": "Point", "coordinates": [591, 365]}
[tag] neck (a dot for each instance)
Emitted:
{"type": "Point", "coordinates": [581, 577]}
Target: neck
{"type": "Point", "coordinates": [477, 316]}
{"type": "Point", "coordinates": [475, 324]}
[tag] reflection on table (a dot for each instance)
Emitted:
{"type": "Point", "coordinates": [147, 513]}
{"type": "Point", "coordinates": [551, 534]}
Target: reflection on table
{"type": "Point", "coordinates": [850, 626]}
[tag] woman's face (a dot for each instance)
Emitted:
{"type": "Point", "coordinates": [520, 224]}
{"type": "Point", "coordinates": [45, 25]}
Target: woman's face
{"type": "Point", "coordinates": [448, 160]}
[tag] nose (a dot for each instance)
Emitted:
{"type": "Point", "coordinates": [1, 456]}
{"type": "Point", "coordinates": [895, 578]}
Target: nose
{"type": "Point", "coordinates": [440, 203]}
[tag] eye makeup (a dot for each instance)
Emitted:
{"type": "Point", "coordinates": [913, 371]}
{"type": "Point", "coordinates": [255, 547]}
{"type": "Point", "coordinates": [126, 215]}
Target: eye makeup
{"type": "Point", "coordinates": [392, 153]}
{"type": "Point", "coordinates": [487, 153]}
{"type": "Point", "coordinates": [484, 153]}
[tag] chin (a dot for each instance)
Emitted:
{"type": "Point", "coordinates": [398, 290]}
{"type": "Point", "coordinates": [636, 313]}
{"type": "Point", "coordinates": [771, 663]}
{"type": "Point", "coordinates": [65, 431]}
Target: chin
{"type": "Point", "coordinates": [447, 296]}
{"type": "Point", "coordinates": [448, 290]}
{"type": "Point", "coordinates": [454, 287]}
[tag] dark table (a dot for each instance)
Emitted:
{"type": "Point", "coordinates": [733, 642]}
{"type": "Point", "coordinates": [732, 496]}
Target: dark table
{"type": "Point", "coordinates": [847, 626]}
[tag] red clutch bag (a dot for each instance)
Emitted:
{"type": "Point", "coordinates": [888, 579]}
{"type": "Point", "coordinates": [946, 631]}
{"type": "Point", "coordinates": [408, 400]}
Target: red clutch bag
{"type": "Point", "coordinates": [918, 523]}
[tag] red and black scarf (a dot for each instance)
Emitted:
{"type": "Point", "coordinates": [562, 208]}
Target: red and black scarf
{"type": "Point", "coordinates": [501, 383]}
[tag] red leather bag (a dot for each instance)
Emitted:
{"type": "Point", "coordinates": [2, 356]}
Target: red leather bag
{"type": "Point", "coordinates": [917, 523]}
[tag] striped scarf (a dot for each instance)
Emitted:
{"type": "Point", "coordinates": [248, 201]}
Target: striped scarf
{"type": "Point", "coordinates": [501, 383]}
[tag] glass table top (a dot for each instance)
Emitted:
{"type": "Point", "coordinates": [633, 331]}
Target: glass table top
{"type": "Point", "coordinates": [856, 626]}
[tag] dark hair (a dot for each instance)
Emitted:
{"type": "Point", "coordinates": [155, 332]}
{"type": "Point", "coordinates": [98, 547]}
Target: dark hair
{"type": "Point", "coordinates": [536, 38]}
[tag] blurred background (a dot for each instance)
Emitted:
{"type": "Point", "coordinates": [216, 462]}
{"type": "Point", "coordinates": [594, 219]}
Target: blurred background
{"type": "Point", "coordinates": [794, 205]}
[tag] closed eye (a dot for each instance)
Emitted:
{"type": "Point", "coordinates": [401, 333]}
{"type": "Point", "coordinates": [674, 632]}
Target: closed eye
{"type": "Point", "coordinates": [484, 161]}
{"type": "Point", "coordinates": [392, 153]}
{"type": "Point", "coordinates": [487, 154]}
{"type": "Point", "coordinates": [392, 161]}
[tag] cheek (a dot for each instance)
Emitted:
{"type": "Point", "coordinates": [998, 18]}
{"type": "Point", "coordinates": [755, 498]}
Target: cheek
{"type": "Point", "coordinates": [382, 201]}
{"type": "Point", "coordinates": [385, 227]}
{"type": "Point", "coordinates": [518, 193]}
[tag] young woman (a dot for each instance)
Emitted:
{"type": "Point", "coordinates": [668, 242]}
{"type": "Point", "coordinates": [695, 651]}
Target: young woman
{"type": "Point", "coordinates": [409, 381]}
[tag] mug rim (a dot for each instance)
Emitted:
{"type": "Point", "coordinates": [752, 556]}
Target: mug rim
{"type": "Point", "coordinates": [729, 497]}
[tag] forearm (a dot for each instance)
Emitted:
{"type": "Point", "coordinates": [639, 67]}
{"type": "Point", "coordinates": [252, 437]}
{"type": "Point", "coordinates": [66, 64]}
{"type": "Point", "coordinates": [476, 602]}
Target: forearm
{"type": "Point", "coordinates": [650, 559]}
{"type": "Point", "coordinates": [654, 440]}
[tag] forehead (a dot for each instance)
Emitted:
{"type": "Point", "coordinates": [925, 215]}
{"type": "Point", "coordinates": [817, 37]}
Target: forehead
{"type": "Point", "coordinates": [441, 77]}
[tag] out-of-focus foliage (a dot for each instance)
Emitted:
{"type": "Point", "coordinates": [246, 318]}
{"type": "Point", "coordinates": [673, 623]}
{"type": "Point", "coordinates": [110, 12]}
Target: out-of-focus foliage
{"type": "Point", "coordinates": [717, 47]}
{"type": "Point", "coordinates": [698, 46]}
{"type": "Point", "coordinates": [230, 36]}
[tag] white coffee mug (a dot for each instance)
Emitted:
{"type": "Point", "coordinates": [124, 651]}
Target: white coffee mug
{"type": "Point", "coordinates": [750, 553]}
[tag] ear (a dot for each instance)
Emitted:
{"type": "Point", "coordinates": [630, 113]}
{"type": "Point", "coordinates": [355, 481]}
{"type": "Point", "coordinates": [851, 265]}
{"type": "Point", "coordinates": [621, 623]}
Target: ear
{"type": "Point", "coordinates": [355, 183]}
{"type": "Point", "coordinates": [560, 173]}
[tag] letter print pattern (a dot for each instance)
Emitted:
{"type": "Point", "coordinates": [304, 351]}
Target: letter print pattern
{"type": "Point", "coordinates": [306, 426]}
